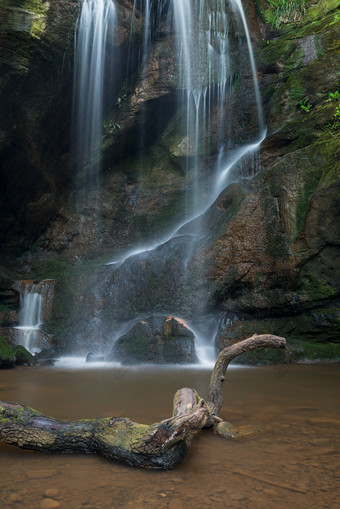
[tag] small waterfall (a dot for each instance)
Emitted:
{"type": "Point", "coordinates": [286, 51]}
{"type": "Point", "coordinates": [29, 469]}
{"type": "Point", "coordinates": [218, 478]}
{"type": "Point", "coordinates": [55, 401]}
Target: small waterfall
{"type": "Point", "coordinates": [31, 307]}
{"type": "Point", "coordinates": [35, 300]}
{"type": "Point", "coordinates": [97, 17]}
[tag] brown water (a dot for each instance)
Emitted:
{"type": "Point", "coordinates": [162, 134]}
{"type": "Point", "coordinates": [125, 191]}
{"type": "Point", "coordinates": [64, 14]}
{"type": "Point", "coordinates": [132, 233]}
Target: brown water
{"type": "Point", "coordinates": [293, 463]}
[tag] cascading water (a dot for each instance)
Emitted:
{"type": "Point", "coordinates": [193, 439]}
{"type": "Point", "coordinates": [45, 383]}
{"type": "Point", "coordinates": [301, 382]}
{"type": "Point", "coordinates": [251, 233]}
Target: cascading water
{"type": "Point", "coordinates": [203, 70]}
{"type": "Point", "coordinates": [153, 279]}
{"type": "Point", "coordinates": [33, 302]}
{"type": "Point", "coordinates": [97, 19]}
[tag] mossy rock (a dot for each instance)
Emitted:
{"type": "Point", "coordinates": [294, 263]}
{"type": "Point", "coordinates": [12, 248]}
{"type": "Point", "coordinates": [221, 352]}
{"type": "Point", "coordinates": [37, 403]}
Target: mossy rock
{"type": "Point", "coordinates": [263, 357]}
{"type": "Point", "coordinates": [7, 354]}
{"type": "Point", "coordinates": [23, 356]}
{"type": "Point", "coordinates": [321, 8]}
{"type": "Point", "coordinates": [156, 340]}
{"type": "Point", "coordinates": [306, 351]}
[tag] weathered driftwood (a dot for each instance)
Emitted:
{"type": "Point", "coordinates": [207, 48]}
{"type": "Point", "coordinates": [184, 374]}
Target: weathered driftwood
{"type": "Point", "coordinates": [157, 446]}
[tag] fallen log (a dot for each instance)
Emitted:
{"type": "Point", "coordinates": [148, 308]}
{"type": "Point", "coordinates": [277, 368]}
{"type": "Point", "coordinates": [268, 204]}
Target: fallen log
{"type": "Point", "coordinates": [157, 446]}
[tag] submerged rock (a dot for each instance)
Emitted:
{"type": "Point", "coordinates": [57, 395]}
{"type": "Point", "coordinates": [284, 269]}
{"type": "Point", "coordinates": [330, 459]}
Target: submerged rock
{"type": "Point", "coordinates": [156, 340]}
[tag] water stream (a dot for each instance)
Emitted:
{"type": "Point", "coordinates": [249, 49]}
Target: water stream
{"type": "Point", "coordinates": [96, 19]}
{"type": "Point", "coordinates": [31, 317]}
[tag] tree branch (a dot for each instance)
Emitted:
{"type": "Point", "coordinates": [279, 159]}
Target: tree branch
{"type": "Point", "coordinates": [215, 400]}
{"type": "Point", "coordinates": [157, 446]}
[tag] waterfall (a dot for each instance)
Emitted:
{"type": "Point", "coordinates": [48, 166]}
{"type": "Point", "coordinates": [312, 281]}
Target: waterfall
{"type": "Point", "coordinates": [239, 7]}
{"type": "Point", "coordinates": [34, 301]}
{"type": "Point", "coordinates": [204, 83]}
{"type": "Point", "coordinates": [205, 71]}
{"type": "Point", "coordinates": [97, 17]}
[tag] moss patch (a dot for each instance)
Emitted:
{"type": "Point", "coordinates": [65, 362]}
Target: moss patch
{"type": "Point", "coordinates": [23, 357]}
{"type": "Point", "coordinates": [7, 354]}
{"type": "Point", "coordinates": [320, 8]}
{"type": "Point", "coordinates": [303, 351]}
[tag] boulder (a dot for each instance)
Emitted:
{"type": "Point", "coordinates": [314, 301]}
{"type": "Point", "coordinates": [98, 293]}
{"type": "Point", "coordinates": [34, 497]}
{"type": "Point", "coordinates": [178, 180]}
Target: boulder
{"type": "Point", "coordinates": [23, 356]}
{"type": "Point", "coordinates": [156, 340]}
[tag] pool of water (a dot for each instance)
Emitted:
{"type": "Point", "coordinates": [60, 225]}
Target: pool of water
{"type": "Point", "coordinates": [294, 462]}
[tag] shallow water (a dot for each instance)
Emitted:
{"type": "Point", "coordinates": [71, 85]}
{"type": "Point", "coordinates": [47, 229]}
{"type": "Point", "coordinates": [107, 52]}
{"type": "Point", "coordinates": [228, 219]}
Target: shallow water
{"type": "Point", "coordinates": [294, 462]}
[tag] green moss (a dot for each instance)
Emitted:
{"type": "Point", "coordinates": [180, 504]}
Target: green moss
{"type": "Point", "coordinates": [137, 349]}
{"type": "Point", "coordinates": [22, 356]}
{"type": "Point", "coordinates": [51, 269]}
{"type": "Point", "coordinates": [293, 62]}
{"type": "Point", "coordinates": [263, 356]}
{"type": "Point", "coordinates": [320, 8]}
{"type": "Point", "coordinates": [296, 89]}
{"type": "Point", "coordinates": [305, 351]}
{"type": "Point", "coordinates": [331, 173]}
{"type": "Point", "coordinates": [311, 177]}
{"type": "Point", "coordinates": [316, 288]}
{"type": "Point", "coordinates": [7, 355]}
{"type": "Point", "coordinates": [318, 45]}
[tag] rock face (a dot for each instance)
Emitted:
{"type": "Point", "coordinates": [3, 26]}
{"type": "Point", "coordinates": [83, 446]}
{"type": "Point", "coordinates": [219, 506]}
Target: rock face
{"type": "Point", "coordinates": [269, 261]}
{"type": "Point", "coordinates": [277, 262]}
{"type": "Point", "coordinates": [157, 340]}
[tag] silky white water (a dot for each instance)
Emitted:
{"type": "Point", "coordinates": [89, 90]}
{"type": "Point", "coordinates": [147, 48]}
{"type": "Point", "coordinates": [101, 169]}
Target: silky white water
{"type": "Point", "coordinates": [31, 316]}
{"type": "Point", "coordinates": [205, 86]}
{"type": "Point", "coordinates": [96, 19]}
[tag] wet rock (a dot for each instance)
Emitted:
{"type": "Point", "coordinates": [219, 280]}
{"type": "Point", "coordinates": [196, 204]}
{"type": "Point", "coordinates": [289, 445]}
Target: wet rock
{"type": "Point", "coordinates": [46, 362]}
{"type": "Point", "coordinates": [157, 340]}
{"type": "Point", "coordinates": [7, 354]}
{"type": "Point", "coordinates": [23, 356]}
{"type": "Point", "coordinates": [47, 354]}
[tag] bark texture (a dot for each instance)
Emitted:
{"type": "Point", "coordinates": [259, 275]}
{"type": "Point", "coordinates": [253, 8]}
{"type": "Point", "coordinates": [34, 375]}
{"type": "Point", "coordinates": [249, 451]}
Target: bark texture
{"type": "Point", "coordinates": [227, 355]}
{"type": "Point", "coordinates": [157, 446]}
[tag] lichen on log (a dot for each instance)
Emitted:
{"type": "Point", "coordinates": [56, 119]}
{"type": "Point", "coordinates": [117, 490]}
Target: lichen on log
{"type": "Point", "coordinates": [157, 446]}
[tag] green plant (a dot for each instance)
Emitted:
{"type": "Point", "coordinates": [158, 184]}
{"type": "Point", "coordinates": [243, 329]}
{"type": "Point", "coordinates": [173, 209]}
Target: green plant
{"type": "Point", "coordinates": [285, 11]}
{"type": "Point", "coordinates": [334, 96]}
{"type": "Point", "coordinates": [335, 20]}
{"type": "Point", "coordinates": [305, 105]}
{"type": "Point", "coordinates": [122, 97]}
{"type": "Point", "coordinates": [112, 127]}
{"type": "Point", "coordinates": [120, 100]}
{"type": "Point", "coordinates": [337, 114]}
